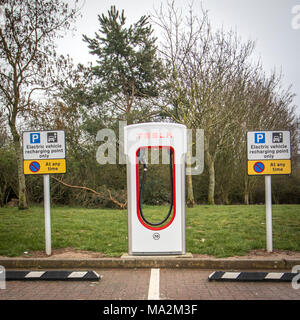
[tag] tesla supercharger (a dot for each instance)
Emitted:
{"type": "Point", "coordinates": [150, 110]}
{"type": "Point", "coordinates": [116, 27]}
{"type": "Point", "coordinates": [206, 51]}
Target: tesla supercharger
{"type": "Point", "coordinates": [141, 142]}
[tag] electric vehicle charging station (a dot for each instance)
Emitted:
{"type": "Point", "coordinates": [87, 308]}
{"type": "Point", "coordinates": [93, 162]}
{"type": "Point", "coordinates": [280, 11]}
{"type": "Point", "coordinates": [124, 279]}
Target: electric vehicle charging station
{"type": "Point", "coordinates": [165, 237]}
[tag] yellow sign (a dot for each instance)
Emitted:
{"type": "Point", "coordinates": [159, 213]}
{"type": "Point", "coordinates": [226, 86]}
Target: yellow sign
{"type": "Point", "coordinates": [45, 166]}
{"type": "Point", "coordinates": [269, 167]}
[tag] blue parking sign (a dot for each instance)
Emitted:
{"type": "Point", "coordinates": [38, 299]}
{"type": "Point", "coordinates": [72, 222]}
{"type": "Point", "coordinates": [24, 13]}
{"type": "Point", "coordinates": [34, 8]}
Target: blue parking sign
{"type": "Point", "coordinates": [259, 137]}
{"type": "Point", "coordinates": [35, 137]}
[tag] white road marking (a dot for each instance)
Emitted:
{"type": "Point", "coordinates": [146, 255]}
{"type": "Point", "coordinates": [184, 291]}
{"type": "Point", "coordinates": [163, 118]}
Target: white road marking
{"type": "Point", "coordinates": [34, 274]}
{"type": "Point", "coordinates": [274, 275]}
{"type": "Point", "coordinates": [78, 274]}
{"type": "Point", "coordinates": [230, 275]}
{"type": "Point", "coordinates": [153, 292]}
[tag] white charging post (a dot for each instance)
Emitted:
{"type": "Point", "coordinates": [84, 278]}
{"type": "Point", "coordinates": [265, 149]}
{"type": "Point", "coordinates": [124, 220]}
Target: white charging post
{"type": "Point", "coordinates": [141, 141]}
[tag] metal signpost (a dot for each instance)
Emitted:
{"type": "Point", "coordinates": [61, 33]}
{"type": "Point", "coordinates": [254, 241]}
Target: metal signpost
{"type": "Point", "coordinates": [269, 153]}
{"type": "Point", "coordinates": [44, 152]}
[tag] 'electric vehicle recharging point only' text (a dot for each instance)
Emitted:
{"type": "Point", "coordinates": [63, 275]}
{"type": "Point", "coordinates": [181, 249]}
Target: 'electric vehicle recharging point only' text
{"type": "Point", "coordinates": [141, 141]}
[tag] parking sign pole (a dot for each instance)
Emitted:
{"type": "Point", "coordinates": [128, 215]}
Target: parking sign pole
{"type": "Point", "coordinates": [269, 153]}
{"type": "Point", "coordinates": [46, 180]}
{"type": "Point", "coordinates": [268, 196]}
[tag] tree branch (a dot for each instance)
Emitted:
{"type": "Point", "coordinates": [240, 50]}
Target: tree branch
{"type": "Point", "coordinates": [119, 204]}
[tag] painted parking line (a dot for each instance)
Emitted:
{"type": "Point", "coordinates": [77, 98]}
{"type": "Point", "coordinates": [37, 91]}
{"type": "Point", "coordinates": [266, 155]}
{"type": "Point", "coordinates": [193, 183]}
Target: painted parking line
{"type": "Point", "coordinates": [153, 292]}
{"type": "Point", "coordinates": [251, 276]}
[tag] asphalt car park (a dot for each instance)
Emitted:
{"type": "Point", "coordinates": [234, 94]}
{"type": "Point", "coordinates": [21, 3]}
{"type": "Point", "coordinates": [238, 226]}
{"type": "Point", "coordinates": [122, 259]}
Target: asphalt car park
{"type": "Point", "coordinates": [150, 284]}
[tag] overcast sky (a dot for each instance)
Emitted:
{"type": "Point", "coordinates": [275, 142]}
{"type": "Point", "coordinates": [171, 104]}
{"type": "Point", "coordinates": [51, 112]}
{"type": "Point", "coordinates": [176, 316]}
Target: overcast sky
{"type": "Point", "coordinates": [273, 24]}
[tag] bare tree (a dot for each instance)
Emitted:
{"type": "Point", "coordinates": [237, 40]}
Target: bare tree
{"type": "Point", "coordinates": [268, 107]}
{"type": "Point", "coordinates": [180, 36]}
{"type": "Point", "coordinates": [206, 72]}
{"type": "Point", "coordinates": [28, 61]}
{"type": "Point", "coordinates": [3, 130]}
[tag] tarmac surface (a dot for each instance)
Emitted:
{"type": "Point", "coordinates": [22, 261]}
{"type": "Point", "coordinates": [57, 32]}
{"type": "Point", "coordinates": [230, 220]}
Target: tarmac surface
{"type": "Point", "coordinates": [134, 284]}
{"type": "Point", "coordinates": [154, 278]}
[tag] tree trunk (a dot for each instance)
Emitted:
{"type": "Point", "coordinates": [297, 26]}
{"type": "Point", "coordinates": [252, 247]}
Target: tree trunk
{"type": "Point", "coordinates": [211, 182]}
{"type": "Point", "coordinates": [21, 176]}
{"type": "Point", "coordinates": [189, 181]}
{"type": "Point", "coordinates": [211, 172]}
{"type": "Point", "coordinates": [225, 197]}
{"type": "Point", "coordinates": [190, 194]}
{"type": "Point", "coordinates": [246, 190]}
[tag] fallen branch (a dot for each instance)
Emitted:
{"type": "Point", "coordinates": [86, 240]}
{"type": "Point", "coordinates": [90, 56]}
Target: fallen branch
{"type": "Point", "coordinates": [119, 204]}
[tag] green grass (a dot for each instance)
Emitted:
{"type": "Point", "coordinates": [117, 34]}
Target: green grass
{"type": "Point", "coordinates": [235, 230]}
{"type": "Point", "coordinates": [221, 231]}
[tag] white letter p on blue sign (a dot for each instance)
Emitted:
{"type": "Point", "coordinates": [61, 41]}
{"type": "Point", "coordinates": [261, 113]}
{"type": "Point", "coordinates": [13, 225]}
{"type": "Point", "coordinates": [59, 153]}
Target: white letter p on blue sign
{"type": "Point", "coordinates": [35, 137]}
{"type": "Point", "coordinates": [260, 137]}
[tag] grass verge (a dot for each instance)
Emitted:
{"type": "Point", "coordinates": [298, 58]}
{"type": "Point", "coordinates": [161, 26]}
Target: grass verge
{"type": "Point", "coordinates": [221, 231]}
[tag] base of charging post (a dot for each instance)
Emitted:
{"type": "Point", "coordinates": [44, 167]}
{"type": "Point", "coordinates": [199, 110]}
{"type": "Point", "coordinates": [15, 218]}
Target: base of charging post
{"type": "Point", "coordinates": [158, 256]}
